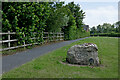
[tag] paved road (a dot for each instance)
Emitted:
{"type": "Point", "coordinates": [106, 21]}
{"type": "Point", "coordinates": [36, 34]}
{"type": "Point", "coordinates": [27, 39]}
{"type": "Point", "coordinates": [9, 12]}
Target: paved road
{"type": "Point", "coordinates": [15, 60]}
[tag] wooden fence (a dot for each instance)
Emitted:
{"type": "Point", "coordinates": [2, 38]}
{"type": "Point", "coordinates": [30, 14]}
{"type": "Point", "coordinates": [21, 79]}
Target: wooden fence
{"type": "Point", "coordinates": [45, 35]}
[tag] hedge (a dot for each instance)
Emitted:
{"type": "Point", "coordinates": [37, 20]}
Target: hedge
{"type": "Point", "coordinates": [106, 34]}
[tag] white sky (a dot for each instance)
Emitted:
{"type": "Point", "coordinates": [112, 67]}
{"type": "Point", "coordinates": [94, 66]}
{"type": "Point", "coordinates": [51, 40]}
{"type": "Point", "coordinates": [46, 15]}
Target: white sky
{"type": "Point", "coordinates": [98, 11]}
{"type": "Point", "coordinates": [101, 14]}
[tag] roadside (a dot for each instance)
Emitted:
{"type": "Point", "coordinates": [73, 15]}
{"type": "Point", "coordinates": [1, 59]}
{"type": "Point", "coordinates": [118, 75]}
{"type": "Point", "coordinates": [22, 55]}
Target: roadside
{"type": "Point", "coordinates": [12, 61]}
{"type": "Point", "coordinates": [18, 50]}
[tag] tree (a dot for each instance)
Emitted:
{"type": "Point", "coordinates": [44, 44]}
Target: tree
{"type": "Point", "coordinates": [117, 26]}
{"type": "Point", "coordinates": [106, 28]}
{"type": "Point", "coordinates": [93, 30]}
{"type": "Point", "coordinates": [25, 18]}
{"type": "Point", "coordinates": [76, 16]}
{"type": "Point", "coordinates": [77, 13]}
{"type": "Point", "coordinates": [71, 31]}
{"type": "Point", "coordinates": [57, 18]}
{"type": "Point", "coordinates": [99, 29]}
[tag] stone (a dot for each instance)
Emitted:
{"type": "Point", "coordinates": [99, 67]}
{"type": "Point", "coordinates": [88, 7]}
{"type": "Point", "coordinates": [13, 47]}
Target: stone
{"type": "Point", "coordinates": [85, 54]}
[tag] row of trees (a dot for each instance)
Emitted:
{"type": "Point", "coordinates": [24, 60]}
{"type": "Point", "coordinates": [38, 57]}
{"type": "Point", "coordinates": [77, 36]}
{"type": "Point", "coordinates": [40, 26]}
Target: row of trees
{"type": "Point", "coordinates": [28, 17]}
{"type": "Point", "coordinates": [106, 28]}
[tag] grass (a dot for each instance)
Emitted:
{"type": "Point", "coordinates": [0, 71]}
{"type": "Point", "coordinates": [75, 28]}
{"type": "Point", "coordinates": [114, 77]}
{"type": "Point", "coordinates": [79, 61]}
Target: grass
{"type": "Point", "coordinates": [49, 66]}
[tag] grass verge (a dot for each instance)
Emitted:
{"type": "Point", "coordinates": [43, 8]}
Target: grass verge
{"type": "Point", "coordinates": [49, 66]}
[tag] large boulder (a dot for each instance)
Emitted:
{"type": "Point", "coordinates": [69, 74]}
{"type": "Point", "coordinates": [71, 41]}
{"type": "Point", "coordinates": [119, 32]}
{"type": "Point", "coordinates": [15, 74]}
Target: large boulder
{"type": "Point", "coordinates": [85, 54]}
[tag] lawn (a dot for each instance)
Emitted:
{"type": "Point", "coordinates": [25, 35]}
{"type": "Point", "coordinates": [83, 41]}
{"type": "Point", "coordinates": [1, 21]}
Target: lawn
{"type": "Point", "coordinates": [49, 66]}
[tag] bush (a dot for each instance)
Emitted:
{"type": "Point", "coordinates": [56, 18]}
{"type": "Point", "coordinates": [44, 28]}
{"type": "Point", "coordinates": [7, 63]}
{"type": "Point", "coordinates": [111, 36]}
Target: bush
{"type": "Point", "coordinates": [106, 34]}
{"type": "Point", "coordinates": [24, 18]}
{"type": "Point", "coordinates": [72, 32]}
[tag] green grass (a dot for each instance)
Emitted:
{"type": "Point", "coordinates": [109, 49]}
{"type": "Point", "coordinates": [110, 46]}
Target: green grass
{"type": "Point", "coordinates": [49, 66]}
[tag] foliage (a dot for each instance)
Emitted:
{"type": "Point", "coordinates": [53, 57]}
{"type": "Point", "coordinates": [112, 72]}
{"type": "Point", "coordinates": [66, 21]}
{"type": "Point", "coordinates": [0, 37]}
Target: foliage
{"type": "Point", "coordinates": [57, 18]}
{"type": "Point", "coordinates": [82, 34]}
{"type": "Point", "coordinates": [68, 19]}
{"type": "Point", "coordinates": [112, 34]}
{"type": "Point", "coordinates": [25, 18]}
{"type": "Point", "coordinates": [93, 30]}
{"type": "Point", "coordinates": [77, 13]}
{"type": "Point", "coordinates": [76, 16]}
{"type": "Point", "coordinates": [117, 26]}
{"type": "Point", "coordinates": [106, 30]}
{"type": "Point", "coordinates": [72, 28]}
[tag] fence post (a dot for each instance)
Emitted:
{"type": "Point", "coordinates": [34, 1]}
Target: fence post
{"type": "Point", "coordinates": [53, 36]}
{"type": "Point", "coordinates": [9, 39]}
{"type": "Point", "coordinates": [63, 36]}
{"type": "Point", "coordinates": [42, 38]}
{"type": "Point", "coordinates": [56, 36]}
{"type": "Point", "coordinates": [48, 36]}
{"type": "Point", "coordinates": [24, 42]}
{"type": "Point", "coordinates": [59, 36]}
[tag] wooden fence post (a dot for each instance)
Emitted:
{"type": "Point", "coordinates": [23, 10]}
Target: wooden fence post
{"type": "Point", "coordinates": [56, 36]}
{"type": "Point", "coordinates": [48, 36]}
{"type": "Point", "coordinates": [9, 39]}
{"type": "Point", "coordinates": [59, 36]}
{"type": "Point", "coordinates": [63, 36]}
{"type": "Point", "coordinates": [24, 42]}
{"type": "Point", "coordinates": [53, 36]}
{"type": "Point", "coordinates": [42, 38]}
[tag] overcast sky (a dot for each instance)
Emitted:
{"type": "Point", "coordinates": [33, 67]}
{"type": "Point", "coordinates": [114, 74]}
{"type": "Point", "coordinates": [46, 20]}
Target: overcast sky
{"type": "Point", "coordinates": [98, 11]}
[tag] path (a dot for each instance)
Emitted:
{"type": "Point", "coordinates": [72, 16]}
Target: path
{"type": "Point", "coordinates": [15, 60]}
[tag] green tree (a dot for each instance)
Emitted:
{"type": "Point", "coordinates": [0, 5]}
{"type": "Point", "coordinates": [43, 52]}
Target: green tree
{"type": "Point", "coordinates": [25, 18]}
{"type": "Point", "coordinates": [72, 28]}
{"type": "Point", "coordinates": [93, 30]}
{"type": "Point", "coordinates": [99, 29]}
{"type": "Point", "coordinates": [117, 26]}
{"type": "Point", "coordinates": [77, 13]}
{"type": "Point", "coordinates": [106, 27]}
{"type": "Point", "coordinates": [76, 16]}
{"type": "Point", "coordinates": [57, 18]}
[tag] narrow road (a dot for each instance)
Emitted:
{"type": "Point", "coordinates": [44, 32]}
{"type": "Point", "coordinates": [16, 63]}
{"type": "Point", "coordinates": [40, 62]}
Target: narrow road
{"type": "Point", "coordinates": [15, 60]}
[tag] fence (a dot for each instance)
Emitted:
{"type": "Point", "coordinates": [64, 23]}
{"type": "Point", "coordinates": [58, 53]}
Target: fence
{"type": "Point", "coordinates": [47, 38]}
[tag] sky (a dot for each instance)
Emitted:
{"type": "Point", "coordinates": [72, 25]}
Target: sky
{"type": "Point", "coordinates": [98, 11]}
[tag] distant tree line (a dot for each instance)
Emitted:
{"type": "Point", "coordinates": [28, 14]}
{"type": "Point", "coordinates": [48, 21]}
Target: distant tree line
{"type": "Point", "coordinates": [106, 29]}
{"type": "Point", "coordinates": [29, 17]}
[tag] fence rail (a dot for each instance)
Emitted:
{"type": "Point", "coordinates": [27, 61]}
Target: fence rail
{"type": "Point", "coordinates": [46, 38]}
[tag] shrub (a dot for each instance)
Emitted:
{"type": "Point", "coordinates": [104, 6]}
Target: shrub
{"type": "Point", "coordinates": [106, 34]}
